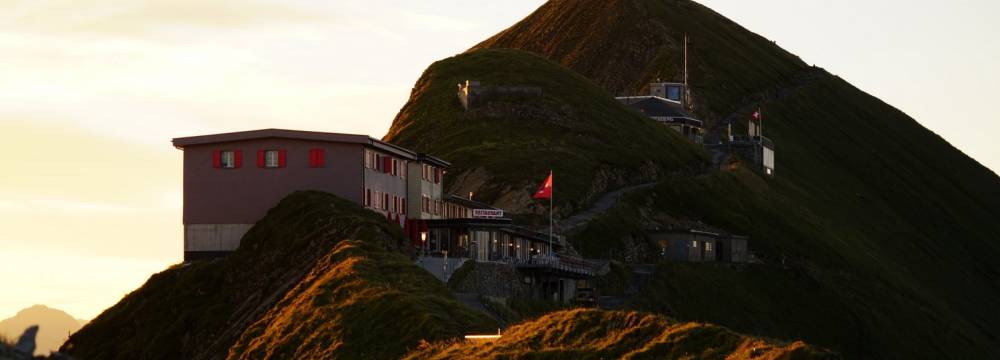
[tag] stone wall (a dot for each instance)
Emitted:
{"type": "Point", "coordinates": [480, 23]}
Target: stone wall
{"type": "Point", "coordinates": [492, 279]}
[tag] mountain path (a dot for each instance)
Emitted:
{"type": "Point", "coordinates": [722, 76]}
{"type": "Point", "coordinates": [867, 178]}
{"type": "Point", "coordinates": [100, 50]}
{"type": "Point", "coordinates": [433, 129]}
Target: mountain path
{"type": "Point", "coordinates": [606, 201]}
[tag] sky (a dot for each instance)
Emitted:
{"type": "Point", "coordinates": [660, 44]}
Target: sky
{"type": "Point", "coordinates": [93, 91]}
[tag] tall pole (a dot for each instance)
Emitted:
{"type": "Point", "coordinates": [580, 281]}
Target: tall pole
{"type": "Point", "coordinates": [760, 124]}
{"type": "Point", "coordinates": [687, 91]}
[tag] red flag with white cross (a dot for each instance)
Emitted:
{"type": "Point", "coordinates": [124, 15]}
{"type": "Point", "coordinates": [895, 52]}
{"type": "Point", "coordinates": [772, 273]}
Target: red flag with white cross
{"type": "Point", "coordinates": [545, 191]}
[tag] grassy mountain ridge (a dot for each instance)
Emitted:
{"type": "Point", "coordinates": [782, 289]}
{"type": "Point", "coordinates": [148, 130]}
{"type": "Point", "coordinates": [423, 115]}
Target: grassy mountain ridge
{"type": "Point", "coordinates": [294, 265]}
{"type": "Point", "coordinates": [575, 128]}
{"type": "Point", "coordinates": [625, 44]}
{"type": "Point", "coordinates": [596, 334]}
{"type": "Point", "coordinates": [355, 297]}
{"type": "Point", "coordinates": [897, 227]}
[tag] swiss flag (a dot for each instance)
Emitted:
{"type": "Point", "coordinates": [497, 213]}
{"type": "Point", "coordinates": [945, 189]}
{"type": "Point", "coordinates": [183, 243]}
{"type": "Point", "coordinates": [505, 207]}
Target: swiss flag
{"type": "Point", "coordinates": [545, 191]}
{"type": "Point", "coordinates": [756, 115]}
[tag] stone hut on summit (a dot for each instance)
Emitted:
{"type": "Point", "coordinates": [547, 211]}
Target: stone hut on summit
{"type": "Point", "coordinates": [473, 94]}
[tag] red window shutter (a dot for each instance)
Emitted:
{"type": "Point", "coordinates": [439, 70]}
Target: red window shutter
{"type": "Point", "coordinates": [437, 175]}
{"type": "Point", "coordinates": [281, 158]}
{"type": "Point", "coordinates": [312, 158]}
{"type": "Point", "coordinates": [387, 164]}
{"type": "Point", "coordinates": [260, 158]}
{"type": "Point", "coordinates": [217, 159]}
{"type": "Point", "coordinates": [320, 158]}
{"type": "Point", "coordinates": [238, 158]}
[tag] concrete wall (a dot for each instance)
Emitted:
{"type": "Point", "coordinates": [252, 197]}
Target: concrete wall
{"type": "Point", "coordinates": [213, 237]}
{"type": "Point", "coordinates": [393, 185]}
{"type": "Point", "coordinates": [417, 187]}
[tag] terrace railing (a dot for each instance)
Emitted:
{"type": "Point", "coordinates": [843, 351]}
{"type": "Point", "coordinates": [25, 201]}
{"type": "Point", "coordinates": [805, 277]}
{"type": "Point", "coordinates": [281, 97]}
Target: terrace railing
{"type": "Point", "coordinates": [554, 262]}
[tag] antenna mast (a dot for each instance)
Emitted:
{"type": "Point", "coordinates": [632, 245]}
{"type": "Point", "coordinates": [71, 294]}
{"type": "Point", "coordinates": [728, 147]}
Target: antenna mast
{"type": "Point", "coordinates": [685, 60]}
{"type": "Point", "coordinates": [687, 89]}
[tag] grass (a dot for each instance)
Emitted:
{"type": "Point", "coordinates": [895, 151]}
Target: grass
{"type": "Point", "coordinates": [596, 334]}
{"type": "Point", "coordinates": [591, 141]}
{"type": "Point", "coordinates": [317, 275]}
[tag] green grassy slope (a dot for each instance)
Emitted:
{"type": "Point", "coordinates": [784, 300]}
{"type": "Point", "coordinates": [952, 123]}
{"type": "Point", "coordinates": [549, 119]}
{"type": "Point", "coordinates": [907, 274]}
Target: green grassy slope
{"type": "Point", "coordinates": [595, 334]}
{"type": "Point", "coordinates": [291, 289]}
{"type": "Point", "coordinates": [591, 141]}
{"type": "Point", "coordinates": [879, 219]}
{"type": "Point", "coordinates": [625, 44]}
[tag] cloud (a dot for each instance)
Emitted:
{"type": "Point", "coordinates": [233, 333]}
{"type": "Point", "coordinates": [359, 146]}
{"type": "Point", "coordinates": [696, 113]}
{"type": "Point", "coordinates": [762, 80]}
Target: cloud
{"type": "Point", "coordinates": [145, 16]}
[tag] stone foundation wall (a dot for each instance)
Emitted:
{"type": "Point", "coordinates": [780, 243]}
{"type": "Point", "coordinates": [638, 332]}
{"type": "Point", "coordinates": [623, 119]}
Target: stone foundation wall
{"type": "Point", "coordinates": [493, 279]}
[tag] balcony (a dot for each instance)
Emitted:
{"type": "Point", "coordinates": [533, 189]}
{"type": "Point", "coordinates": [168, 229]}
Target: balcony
{"type": "Point", "coordinates": [553, 263]}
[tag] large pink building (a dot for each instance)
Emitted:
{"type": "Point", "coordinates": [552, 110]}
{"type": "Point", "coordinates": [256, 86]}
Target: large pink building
{"type": "Point", "coordinates": [232, 179]}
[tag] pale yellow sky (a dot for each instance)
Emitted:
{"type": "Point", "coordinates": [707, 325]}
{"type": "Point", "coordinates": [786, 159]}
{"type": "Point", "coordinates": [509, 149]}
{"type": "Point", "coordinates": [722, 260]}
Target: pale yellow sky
{"type": "Point", "coordinates": [93, 91]}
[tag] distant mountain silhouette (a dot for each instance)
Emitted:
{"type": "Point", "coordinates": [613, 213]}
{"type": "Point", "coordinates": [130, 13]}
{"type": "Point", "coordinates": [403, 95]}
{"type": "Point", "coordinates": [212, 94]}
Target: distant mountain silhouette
{"type": "Point", "coordinates": [54, 326]}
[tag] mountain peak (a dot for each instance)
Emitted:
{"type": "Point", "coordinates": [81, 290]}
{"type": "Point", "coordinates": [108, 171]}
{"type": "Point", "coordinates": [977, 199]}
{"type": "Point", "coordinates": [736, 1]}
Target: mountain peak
{"type": "Point", "coordinates": [54, 326]}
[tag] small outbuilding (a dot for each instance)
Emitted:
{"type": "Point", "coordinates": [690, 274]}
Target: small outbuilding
{"type": "Point", "coordinates": [693, 245]}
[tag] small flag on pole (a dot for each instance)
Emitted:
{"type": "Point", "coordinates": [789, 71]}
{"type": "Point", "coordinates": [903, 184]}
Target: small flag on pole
{"type": "Point", "coordinates": [545, 191]}
{"type": "Point", "coordinates": [757, 115]}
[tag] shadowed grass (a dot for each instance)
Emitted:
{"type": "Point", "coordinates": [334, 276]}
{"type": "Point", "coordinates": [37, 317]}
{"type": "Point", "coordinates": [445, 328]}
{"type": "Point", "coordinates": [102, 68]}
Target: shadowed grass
{"type": "Point", "coordinates": [596, 334]}
{"type": "Point", "coordinates": [310, 278]}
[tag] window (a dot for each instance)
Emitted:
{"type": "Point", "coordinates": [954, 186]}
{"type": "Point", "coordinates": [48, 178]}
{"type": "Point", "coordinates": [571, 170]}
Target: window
{"type": "Point", "coordinates": [395, 204]}
{"type": "Point", "coordinates": [385, 201]}
{"type": "Point", "coordinates": [387, 164]}
{"type": "Point", "coordinates": [694, 243]}
{"type": "Point", "coordinates": [402, 203]}
{"type": "Point", "coordinates": [708, 246]}
{"type": "Point", "coordinates": [226, 159]}
{"type": "Point", "coordinates": [271, 158]}
{"type": "Point", "coordinates": [674, 93]}
{"type": "Point", "coordinates": [368, 197]}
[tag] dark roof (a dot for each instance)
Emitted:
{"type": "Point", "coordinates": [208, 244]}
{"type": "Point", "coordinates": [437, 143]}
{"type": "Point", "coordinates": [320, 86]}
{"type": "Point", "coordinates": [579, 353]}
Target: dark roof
{"type": "Point", "coordinates": [683, 231]}
{"type": "Point", "coordinates": [501, 224]}
{"type": "Point", "coordinates": [181, 142]}
{"type": "Point", "coordinates": [452, 198]}
{"type": "Point", "coordinates": [432, 160]}
{"type": "Point", "coordinates": [655, 106]}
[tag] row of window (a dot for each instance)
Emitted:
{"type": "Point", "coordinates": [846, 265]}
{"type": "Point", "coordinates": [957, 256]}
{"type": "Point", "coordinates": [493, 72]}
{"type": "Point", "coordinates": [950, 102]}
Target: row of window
{"type": "Point", "coordinates": [384, 201]}
{"type": "Point", "coordinates": [708, 245]}
{"type": "Point", "coordinates": [431, 206]}
{"type": "Point", "coordinates": [274, 158]}
{"type": "Point", "coordinates": [385, 164]}
{"type": "Point", "coordinates": [432, 173]}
